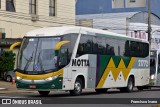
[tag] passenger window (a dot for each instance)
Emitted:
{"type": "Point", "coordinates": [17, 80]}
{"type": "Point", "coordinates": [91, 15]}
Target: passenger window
{"type": "Point", "coordinates": [111, 47]}
{"type": "Point", "coordinates": [99, 45]}
{"type": "Point", "coordinates": [85, 45]}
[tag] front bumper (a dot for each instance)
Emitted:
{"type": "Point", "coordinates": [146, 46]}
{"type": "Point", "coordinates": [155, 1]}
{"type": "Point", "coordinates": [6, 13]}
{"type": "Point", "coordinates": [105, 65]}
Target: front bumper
{"type": "Point", "coordinates": [40, 84]}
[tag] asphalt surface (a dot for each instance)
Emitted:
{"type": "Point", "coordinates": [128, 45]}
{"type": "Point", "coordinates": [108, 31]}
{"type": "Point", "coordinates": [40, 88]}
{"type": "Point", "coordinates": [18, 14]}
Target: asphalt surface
{"type": "Point", "coordinates": [112, 98]}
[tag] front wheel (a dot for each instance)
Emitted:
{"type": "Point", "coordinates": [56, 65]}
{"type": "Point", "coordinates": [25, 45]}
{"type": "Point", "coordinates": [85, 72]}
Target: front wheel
{"type": "Point", "coordinates": [129, 87]}
{"type": "Point", "coordinates": [44, 93]}
{"type": "Point", "coordinates": [77, 87]}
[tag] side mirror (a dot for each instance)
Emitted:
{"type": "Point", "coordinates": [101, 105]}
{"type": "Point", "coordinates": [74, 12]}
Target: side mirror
{"type": "Point", "coordinates": [58, 46]}
{"type": "Point", "coordinates": [14, 45]}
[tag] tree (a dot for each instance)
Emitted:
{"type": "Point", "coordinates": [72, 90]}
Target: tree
{"type": "Point", "coordinates": [7, 61]}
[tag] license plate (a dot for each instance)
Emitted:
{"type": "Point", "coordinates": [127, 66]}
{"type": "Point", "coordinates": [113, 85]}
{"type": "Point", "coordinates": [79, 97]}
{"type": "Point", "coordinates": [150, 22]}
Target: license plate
{"type": "Point", "coordinates": [32, 86]}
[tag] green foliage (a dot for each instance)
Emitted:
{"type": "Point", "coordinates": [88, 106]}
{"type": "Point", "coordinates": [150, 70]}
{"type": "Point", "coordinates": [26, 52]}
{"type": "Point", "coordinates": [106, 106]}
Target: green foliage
{"type": "Point", "coordinates": [7, 61]}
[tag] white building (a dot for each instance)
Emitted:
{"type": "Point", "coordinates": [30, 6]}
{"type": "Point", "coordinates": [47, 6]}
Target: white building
{"type": "Point", "coordinates": [20, 16]}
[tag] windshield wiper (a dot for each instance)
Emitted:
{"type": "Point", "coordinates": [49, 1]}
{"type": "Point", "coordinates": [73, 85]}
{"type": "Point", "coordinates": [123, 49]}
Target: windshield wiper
{"type": "Point", "coordinates": [28, 62]}
{"type": "Point", "coordinates": [40, 62]}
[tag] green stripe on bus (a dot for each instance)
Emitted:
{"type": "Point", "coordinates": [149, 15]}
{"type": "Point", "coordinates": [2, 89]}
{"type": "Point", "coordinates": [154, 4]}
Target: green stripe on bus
{"type": "Point", "coordinates": [104, 59]}
{"type": "Point", "coordinates": [116, 60]}
{"type": "Point", "coordinates": [126, 60]}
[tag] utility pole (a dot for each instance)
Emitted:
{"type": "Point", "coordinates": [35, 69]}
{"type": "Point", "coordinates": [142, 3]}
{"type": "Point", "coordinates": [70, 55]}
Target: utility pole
{"type": "Point", "coordinates": [149, 22]}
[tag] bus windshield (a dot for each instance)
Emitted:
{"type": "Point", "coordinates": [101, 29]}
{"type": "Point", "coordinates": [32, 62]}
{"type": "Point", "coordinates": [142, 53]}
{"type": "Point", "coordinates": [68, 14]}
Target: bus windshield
{"type": "Point", "coordinates": [152, 66]}
{"type": "Point", "coordinates": [37, 55]}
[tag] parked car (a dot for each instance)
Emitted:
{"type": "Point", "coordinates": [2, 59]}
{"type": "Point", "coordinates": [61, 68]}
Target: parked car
{"type": "Point", "coordinates": [9, 75]}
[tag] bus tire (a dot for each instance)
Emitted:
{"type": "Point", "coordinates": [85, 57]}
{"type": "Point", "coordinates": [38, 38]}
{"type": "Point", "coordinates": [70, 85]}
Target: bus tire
{"type": "Point", "coordinates": [77, 88]}
{"type": "Point", "coordinates": [104, 90]}
{"type": "Point", "coordinates": [130, 85]}
{"type": "Point", "coordinates": [44, 93]}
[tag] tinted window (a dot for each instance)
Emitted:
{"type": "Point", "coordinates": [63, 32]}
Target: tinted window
{"type": "Point", "coordinates": [99, 45]}
{"type": "Point", "coordinates": [138, 49]}
{"type": "Point", "coordinates": [70, 46]}
{"type": "Point", "coordinates": [85, 45]}
{"type": "Point", "coordinates": [111, 46]}
{"type": "Point", "coordinates": [90, 44]}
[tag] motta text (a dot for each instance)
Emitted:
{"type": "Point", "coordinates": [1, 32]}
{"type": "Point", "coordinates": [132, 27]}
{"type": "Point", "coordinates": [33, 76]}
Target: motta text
{"type": "Point", "coordinates": [80, 62]}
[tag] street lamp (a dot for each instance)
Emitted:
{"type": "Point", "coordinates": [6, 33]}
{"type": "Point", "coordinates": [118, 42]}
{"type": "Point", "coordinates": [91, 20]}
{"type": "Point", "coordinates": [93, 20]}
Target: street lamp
{"type": "Point", "coordinates": [149, 21]}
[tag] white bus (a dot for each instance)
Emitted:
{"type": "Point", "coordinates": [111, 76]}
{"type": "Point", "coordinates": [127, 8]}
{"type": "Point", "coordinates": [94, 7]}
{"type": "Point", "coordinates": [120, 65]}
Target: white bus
{"type": "Point", "coordinates": [76, 58]}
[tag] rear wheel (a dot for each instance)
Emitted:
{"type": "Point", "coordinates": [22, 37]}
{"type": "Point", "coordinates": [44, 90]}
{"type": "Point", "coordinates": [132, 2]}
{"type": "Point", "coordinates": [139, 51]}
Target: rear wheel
{"type": "Point", "coordinates": [44, 93]}
{"type": "Point", "coordinates": [101, 90]}
{"type": "Point", "coordinates": [129, 87]}
{"type": "Point", "coordinates": [77, 87]}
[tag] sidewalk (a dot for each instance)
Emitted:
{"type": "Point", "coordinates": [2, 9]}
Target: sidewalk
{"type": "Point", "coordinates": [8, 87]}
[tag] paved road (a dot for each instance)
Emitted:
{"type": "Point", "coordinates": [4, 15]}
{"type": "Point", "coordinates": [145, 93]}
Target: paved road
{"type": "Point", "coordinates": [112, 95]}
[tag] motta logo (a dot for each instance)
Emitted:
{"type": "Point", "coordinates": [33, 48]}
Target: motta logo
{"type": "Point", "coordinates": [80, 62]}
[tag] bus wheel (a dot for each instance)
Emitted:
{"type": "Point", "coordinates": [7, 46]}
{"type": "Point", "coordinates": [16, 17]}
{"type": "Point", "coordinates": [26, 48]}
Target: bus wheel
{"type": "Point", "coordinates": [129, 87]}
{"type": "Point", "coordinates": [44, 93]}
{"type": "Point", "coordinates": [77, 87]}
{"type": "Point", "coordinates": [101, 90]}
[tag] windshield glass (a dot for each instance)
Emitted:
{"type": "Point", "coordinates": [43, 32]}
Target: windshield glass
{"type": "Point", "coordinates": [37, 55]}
{"type": "Point", "coordinates": [152, 66]}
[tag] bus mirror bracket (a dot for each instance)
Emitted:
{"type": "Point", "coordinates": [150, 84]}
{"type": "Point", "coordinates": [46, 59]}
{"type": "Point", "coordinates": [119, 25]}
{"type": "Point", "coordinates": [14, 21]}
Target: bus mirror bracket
{"type": "Point", "coordinates": [58, 46]}
{"type": "Point", "coordinates": [14, 45]}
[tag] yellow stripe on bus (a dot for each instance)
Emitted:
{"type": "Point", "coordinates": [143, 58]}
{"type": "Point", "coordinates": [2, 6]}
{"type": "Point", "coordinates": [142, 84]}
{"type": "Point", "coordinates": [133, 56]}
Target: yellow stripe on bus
{"type": "Point", "coordinates": [106, 72]}
{"type": "Point", "coordinates": [39, 77]}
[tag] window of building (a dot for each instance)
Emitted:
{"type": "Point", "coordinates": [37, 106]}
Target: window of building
{"type": "Point", "coordinates": [51, 7]}
{"type": "Point", "coordinates": [10, 5]}
{"type": "Point", "coordinates": [32, 7]}
{"type": "Point", "coordinates": [117, 4]}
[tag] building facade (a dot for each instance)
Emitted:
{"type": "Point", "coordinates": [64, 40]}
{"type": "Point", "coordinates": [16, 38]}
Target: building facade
{"type": "Point", "coordinates": [115, 6]}
{"type": "Point", "coordinates": [128, 17]}
{"type": "Point", "coordinates": [17, 17]}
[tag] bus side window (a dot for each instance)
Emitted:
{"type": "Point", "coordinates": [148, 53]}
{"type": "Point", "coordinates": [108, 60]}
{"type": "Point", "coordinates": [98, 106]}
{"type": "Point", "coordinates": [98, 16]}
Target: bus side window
{"type": "Point", "coordinates": [85, 45]}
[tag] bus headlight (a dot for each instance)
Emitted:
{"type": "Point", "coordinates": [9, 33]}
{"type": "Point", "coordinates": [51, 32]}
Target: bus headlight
{"type": "Point", "coordinates": [18, 78]}
{"type": "Point", "coordinates": [49, 79]}
{"type": "Point", "coordinates": [152, 77]}
{"type": "Point", "coordinates": [52, 78]}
